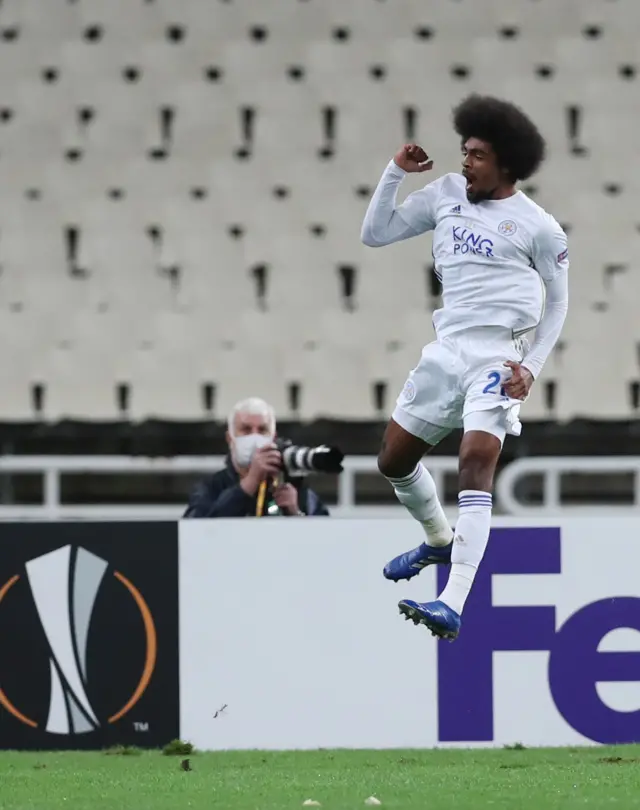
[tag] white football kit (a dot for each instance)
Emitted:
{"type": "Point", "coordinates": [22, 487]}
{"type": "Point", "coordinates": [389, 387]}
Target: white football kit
{"type": "Point", "coordinates": [503, 265]}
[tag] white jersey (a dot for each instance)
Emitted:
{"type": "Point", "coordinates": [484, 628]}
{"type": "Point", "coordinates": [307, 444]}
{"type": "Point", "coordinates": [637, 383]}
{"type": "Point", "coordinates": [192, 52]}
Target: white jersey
{"type": "Point", "coordinates": [494, 258]}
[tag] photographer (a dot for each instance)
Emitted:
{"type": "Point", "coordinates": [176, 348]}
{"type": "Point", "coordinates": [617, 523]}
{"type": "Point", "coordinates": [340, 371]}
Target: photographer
{"type": "Point", "coordinates": [263, 477]}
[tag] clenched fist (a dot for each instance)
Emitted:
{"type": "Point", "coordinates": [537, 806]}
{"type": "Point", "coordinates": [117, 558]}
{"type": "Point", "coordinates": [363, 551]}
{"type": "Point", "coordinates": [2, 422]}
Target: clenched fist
{"type": "Point", "coordinates": [413, 158]}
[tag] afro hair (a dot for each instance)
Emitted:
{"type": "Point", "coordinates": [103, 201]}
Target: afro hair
{"type": "Point", "coordinates": [519, 146]}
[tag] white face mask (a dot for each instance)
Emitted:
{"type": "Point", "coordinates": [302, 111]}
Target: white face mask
{"type": "Point", "coordinates": [245, 446]}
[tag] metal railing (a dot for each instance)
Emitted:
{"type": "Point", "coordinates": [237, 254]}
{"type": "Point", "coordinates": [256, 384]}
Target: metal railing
{"type": "Point", "coordinates": [53, 468]}
{"type": "Point", "coordinates": [550, 469]}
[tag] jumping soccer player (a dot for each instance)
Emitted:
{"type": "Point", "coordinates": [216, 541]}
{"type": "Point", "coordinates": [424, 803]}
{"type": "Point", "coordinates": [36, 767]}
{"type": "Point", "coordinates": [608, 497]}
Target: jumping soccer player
{"type": "Point", "coordinates": [503, 264]}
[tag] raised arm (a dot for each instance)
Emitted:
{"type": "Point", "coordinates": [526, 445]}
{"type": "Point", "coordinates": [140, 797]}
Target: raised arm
{"type": "Point", "coordinates": [385, 222]}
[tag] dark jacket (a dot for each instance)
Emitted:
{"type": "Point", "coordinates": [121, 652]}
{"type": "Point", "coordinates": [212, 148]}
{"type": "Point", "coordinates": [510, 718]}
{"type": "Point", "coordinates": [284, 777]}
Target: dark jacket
{"type": "Point", "coordinates": [220, 495]}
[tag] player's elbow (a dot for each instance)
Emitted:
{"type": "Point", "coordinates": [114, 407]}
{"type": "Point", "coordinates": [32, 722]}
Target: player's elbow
{"type": "Point", "coordinates": [368, 237]}
{"type": "Point", "coordinates": [559, 303]}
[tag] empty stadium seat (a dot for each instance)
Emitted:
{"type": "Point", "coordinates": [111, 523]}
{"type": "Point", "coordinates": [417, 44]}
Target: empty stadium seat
{"type": "Point", "coordinates": [599, 367]}
{"type": "Point", "coordinates": [184, 185]}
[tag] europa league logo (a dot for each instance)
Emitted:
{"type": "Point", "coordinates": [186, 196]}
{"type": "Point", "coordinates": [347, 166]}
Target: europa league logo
{"type": "Point", "coordinates": [64, 588]}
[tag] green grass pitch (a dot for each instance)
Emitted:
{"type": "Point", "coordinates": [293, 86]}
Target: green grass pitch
{"type": "Point", "coordinates": [520, 779]}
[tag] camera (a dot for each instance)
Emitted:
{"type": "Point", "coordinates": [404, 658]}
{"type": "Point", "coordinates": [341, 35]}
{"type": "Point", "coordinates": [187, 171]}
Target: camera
{"type": "Point", "coordinates": [298, 461]}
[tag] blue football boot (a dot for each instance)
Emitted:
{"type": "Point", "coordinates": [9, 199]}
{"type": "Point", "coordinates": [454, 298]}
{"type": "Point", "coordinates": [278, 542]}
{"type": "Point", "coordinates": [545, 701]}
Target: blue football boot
{"type": "Point", "coordinates": [410, 563]}
{"type": "Point", "coordinates": [438, 617]}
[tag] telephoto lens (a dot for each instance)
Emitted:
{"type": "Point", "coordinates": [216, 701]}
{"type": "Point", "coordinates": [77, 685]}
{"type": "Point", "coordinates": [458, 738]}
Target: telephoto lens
{"type": "Point", "coordinates": [298, 460]}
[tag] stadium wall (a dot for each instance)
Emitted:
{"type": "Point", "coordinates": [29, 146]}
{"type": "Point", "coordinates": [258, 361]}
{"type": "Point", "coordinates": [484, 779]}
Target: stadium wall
{"type": "Point", "coordinates": [281, 634]}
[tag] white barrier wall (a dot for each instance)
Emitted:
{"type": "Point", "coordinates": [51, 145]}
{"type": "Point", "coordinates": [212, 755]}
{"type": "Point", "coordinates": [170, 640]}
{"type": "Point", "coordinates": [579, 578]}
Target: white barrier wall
{"type": "Point", "coordinates": [290, 626]}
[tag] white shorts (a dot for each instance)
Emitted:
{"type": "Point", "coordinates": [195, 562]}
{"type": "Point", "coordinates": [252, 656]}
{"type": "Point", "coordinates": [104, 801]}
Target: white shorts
{"type": "Point", "coordinates": [458, 383]}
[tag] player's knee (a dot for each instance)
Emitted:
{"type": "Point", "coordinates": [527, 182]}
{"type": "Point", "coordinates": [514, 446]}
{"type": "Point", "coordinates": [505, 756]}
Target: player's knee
{"type": "Point", "coordinates": [476, 467]}
{"type": "Point", "coordinates": [393, 466]}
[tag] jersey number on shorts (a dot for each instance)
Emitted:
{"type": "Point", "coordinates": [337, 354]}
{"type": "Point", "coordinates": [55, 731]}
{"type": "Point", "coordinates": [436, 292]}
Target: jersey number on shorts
{"type": "Point", "coordinates": [491, 386]}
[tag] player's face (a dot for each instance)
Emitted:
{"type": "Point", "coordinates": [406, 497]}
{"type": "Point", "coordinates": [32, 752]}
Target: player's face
{"type": "Point", "coordinates": [480, 169]}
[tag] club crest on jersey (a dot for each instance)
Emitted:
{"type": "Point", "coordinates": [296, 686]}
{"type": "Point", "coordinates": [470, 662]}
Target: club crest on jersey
{"type": "Point", "coordinates": [507, 227]}
{"type": "Point", "coordinates": [465, 241]}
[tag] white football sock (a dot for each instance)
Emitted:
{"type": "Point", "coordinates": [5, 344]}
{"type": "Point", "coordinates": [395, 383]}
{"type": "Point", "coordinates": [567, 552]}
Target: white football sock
{"type": "Point", "coordinates": [417, 491]}
{"type": "Point", "coordinates": [470, 542]}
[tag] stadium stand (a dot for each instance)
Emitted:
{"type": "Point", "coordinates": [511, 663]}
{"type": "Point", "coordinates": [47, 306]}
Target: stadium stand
{"type": "Point", "coordinates": [183, 185]}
